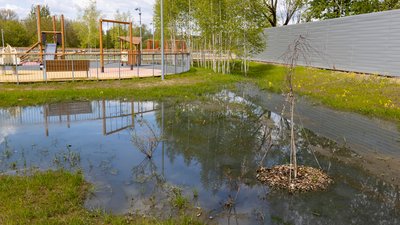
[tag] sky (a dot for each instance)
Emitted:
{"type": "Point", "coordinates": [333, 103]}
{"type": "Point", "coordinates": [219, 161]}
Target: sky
{"type": "Point", "coordinates": [70, 8]}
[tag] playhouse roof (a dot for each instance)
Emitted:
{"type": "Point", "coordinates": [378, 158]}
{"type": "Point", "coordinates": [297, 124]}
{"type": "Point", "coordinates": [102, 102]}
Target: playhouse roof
{"type": "Point", "coordinates": [135, 40]}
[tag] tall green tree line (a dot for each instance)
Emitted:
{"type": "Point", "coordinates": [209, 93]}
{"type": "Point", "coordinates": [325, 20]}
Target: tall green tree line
{"type": "Point", "coordinates": [82, 32]}
{"type": "Point", "coordinates": [222, 30]}
{"type": "Point", "coordinates": [231, 29]}
{"type": "Point", "coordinates": [328, 9]}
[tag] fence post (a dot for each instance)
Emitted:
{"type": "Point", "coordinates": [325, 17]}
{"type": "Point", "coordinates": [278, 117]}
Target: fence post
{"type": "Point", "coordinates": [152, 54]}
{"type": "Point", "coordinates": [174, 62]}
{"type": "Point", "coordinates": [119, 68]}
{"type": "Point", "coordinates": [44, 71]}
{"type": "Point", "coordinates": [73, 73]}
{"type": "Point", "coordinates": [88, 71]}
{"type": "Point", "coordinates": [166, 64]}
{"type": "Point", "coordinates": [183, 63]}
{"type": "Point", "coordinates": [97, 67]}
{"type": "Point", "coordinates": [188, 61]}
{"type": "Point", "coordinates": [137, 63]}
{"type": "Point", "coordinates": [16, 71]}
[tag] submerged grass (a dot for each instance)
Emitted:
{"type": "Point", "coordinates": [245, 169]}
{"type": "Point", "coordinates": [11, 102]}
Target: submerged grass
{"type": "Point", "coordinates": [57, 197]}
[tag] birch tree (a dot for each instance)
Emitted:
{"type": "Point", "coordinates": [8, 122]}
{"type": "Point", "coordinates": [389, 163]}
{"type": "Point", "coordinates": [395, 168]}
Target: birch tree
{"type": "Point", "coordinates": [219, 31]}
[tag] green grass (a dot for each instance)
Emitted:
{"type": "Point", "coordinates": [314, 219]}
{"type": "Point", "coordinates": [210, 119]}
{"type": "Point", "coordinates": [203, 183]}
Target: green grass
{"type": "Point", "coordinates": [57, 197]}
{"type": "Point", "coordinates": [189, 85]}
{"type": "Point", "coordinates": [365, 94]}
{"type": "Point", "coordinates": [178, 200]}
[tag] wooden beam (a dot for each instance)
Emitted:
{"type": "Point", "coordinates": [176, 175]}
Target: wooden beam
{"type": "Point", "coordinates": [51, 32]}
{"type": "Point", "coordinates": [130, 45]}
{"type": "Point", "coordinates": [30, 49]}
{"type": "Point", "coordinates": [54, 29]}
{"type": "Point", "coordinates": [62, 34]}
{"type": "Point", "coordinates": [115, 21]}
{"type": "Point", "coordinates": [39, 33]}
{"type": "Point", "coordinates": [101, 46]}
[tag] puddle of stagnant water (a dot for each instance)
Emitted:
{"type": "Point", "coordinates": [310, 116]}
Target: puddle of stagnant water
{"type": "Point", "coordinates": [374, 143]}
{"type": "Point", "coordinates": [211, 148]}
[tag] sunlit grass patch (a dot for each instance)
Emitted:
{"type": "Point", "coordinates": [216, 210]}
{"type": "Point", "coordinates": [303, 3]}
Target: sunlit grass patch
{"type": "Point", "coordinates": [366, 94]}
{"type": "Point", "coordinates": [190, 85]}
{"type": "Point", "coordinates": [57, 197]}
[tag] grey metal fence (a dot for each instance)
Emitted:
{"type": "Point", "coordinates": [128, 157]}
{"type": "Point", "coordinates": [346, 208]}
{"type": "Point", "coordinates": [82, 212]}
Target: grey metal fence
{"type": "Point", "coordinates": [87, 66]}
{"type": "Point", "coordinates": [368, 43]}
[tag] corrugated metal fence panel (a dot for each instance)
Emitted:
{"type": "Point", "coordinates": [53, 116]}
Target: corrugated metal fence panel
{"type": "Point", "coordinates": [368, 43]}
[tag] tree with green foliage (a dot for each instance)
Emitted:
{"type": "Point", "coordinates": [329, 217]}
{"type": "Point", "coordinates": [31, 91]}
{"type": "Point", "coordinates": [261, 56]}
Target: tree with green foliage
{"type": "Point", "coordinates": [114, 30]}
{"type": "Point", "coordinates": [220, 29]}
{"type": "Point", "coordinates": [14, 33]}
{"type": "Point", "coordinates": [328, 9]}
{"type": "Point", "coordinates": [87, 26]}
{"type": "Point", "coordinates": [390, 4]}
{"type": "Point", "coordinates": [30, 22]}
{"type": "Point", "coordinates": [71, 34]}
{"type": "Point", "coordinates": [275, 10]}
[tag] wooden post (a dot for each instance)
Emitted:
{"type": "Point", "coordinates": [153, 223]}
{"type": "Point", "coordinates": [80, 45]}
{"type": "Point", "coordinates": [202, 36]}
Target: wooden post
{"type": "Point", "coordinates": [62, 35]}
{"type": "Point", "coordinates": [101, 46]}
{"type": "Point", "coordinates": [101, 39]}
{"type": "Point", "coordinates": [54, 29]}
{"type": "Point", "coordinates": [39, 32]}
{"type": "Point", "coordinates": [130, 45]}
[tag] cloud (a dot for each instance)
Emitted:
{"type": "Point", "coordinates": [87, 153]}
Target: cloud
{"type": "Point", "coordinates": [5, 131]}
{"type": "Point", "coordinates": [71, 8]}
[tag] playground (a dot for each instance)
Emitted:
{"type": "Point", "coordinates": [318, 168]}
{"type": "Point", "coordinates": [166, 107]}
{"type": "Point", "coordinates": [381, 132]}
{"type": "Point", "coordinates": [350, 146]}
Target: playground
{"type": "Point", "coordinates": [120, 56]}
{"type": "Point", "coordinates": [89, 69]}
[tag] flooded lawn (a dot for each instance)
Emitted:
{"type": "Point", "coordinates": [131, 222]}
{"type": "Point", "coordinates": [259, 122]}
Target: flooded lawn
{"type": "Point", "coordinates": [207, 153]}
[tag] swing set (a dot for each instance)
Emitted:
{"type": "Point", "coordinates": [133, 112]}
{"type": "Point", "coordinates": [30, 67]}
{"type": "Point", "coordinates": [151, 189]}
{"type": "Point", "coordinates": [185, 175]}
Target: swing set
{"type": "Point", "coordinates": [129, 46]}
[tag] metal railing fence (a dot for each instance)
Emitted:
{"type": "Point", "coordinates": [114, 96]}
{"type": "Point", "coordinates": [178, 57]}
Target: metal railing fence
{"type": "Point", "coordinates": [34, 67]}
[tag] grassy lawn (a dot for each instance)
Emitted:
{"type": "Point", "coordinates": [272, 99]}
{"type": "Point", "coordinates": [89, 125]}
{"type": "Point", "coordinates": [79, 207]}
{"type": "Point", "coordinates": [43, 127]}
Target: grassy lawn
{"type": "Point", "coordinates": [56, 197]}
{"type": "Point", "coordinates": [189, 85]}
{"type": "Point", "coordinates": [365, 94]}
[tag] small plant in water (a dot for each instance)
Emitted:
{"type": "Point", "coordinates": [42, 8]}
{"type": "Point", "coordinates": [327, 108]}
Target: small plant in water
{"type": "Point", "coordinates": [195, 193]}
{"type": "Point", "coordinates": [7, 153]}
{"type": "Point", "coordinates": [70, 158]}
{"type": "Point", "coordinates": [147, 140]}
{"type": "Point", "coordinates": [13, 165]}
{"type": "Point", "coordinates": [178, 200]}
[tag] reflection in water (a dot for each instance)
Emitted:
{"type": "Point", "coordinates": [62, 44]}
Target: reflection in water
{"type": "Point", "coordinates": [137, 153]}
{"type": "Point", "coordinates": [146, 139]}
{"type": "Point", "coordinates": [115, 115]}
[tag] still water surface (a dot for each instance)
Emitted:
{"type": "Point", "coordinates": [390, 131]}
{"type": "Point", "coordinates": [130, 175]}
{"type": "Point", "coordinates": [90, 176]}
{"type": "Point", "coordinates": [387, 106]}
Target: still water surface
{"type": "Point", "coordinates": [210, 148]}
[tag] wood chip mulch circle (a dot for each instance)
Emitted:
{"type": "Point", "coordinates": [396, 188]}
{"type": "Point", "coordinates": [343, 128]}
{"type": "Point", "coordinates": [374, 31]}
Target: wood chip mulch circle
{"type": "Point", "coordinates": [308, 178]}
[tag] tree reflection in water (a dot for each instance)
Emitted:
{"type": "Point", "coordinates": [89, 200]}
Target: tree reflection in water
{"type": "Point", "coordinates": [228, 138]}
{"type": "Point", "coordinates": [228, 132]}
{"type": "Point", "coordinates": [146, 138]}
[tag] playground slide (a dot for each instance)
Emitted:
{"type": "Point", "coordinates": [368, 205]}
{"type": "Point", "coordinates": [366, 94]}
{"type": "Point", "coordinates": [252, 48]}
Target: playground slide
{"type": "Point", "coordinates": [50, 51]}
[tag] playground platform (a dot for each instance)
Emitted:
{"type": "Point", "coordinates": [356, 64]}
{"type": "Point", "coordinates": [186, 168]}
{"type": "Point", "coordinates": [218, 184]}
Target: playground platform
{"type": "Point", "coordinates": [113, 69]}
